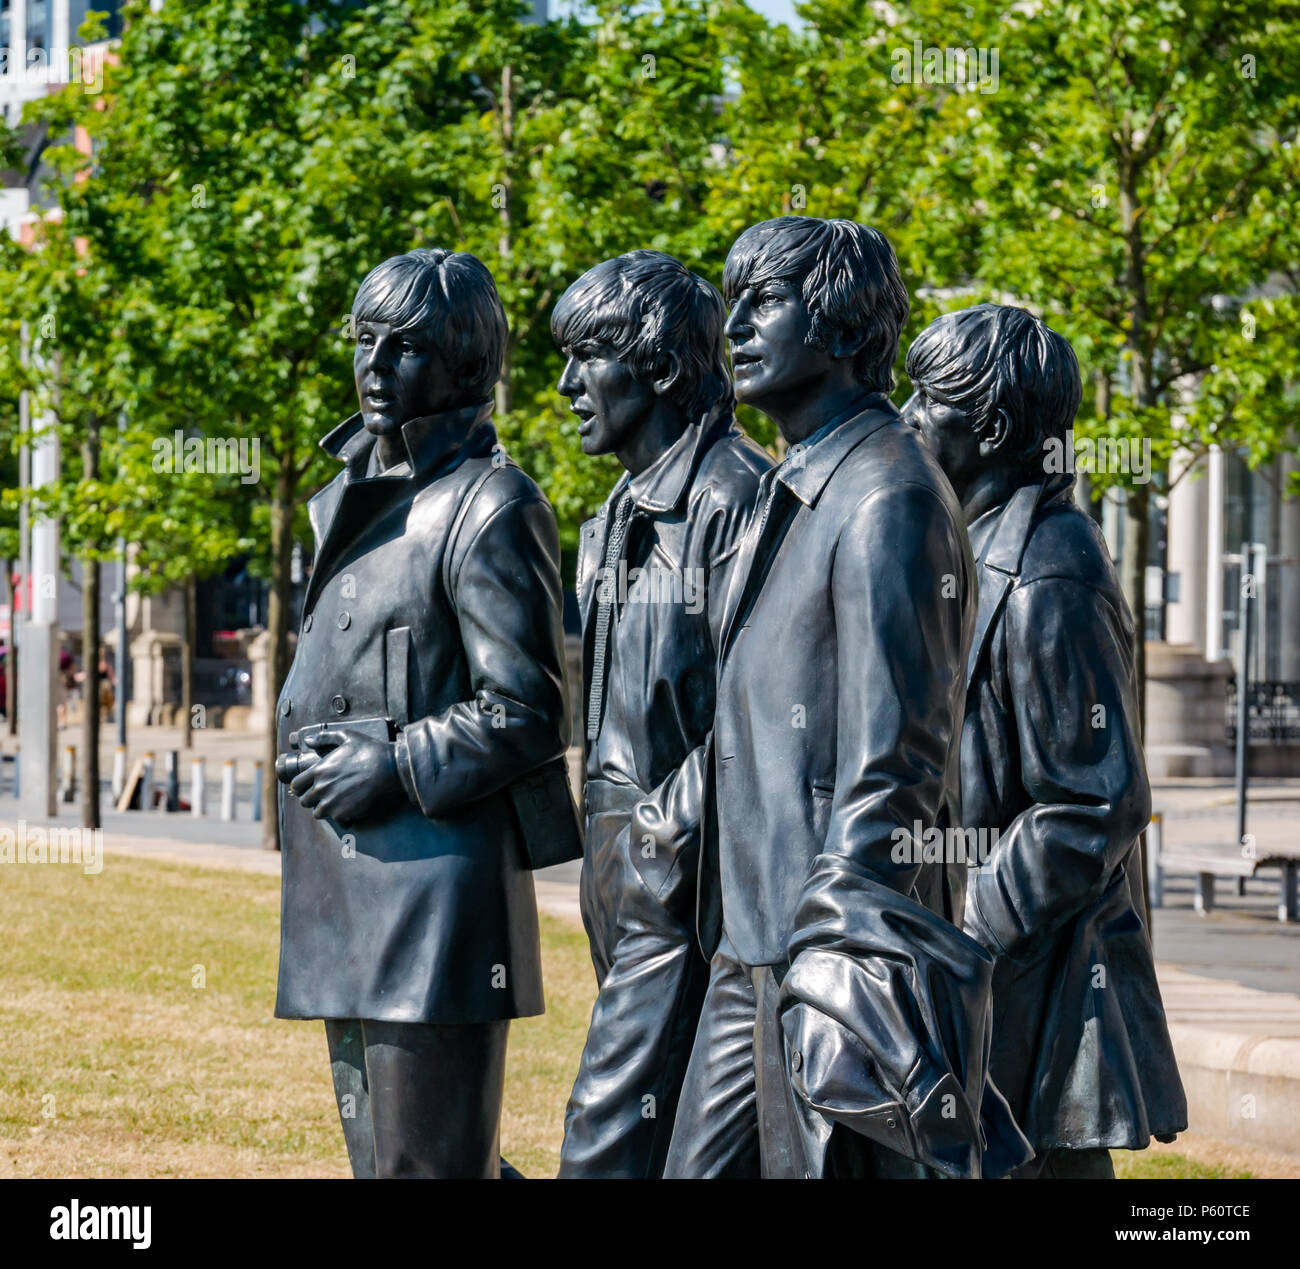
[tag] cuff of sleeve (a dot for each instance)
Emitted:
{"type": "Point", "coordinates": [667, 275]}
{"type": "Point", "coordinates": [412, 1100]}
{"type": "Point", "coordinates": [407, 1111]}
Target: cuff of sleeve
{"type": "Point", "coordinates": [404, 771]}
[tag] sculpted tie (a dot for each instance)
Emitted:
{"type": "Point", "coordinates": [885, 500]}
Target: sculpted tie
{"type": "Point", "coordinates": [608, 581]}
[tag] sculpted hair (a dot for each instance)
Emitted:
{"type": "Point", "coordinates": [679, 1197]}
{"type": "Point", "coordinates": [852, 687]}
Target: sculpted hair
{"type": "Point", "coordinates": [659, 318]}
{"type": "Point", "coordinates": [450, 298]}
{"type": "Point", "coordinates": [996, 358]}
{"type": "Point", "coordinates": [850, 281]}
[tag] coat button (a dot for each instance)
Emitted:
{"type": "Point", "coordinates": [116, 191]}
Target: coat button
{"type": "Point", "coordinates": [796, 1061]}
{"type": "Point", "coordinates": [345, 620]}
{"type": "Point", "coordinates": [306, 623]}
{"type": "Point", "coordinates": [286, 706]}
{"type": "Point", "coordinates": [339, 704]}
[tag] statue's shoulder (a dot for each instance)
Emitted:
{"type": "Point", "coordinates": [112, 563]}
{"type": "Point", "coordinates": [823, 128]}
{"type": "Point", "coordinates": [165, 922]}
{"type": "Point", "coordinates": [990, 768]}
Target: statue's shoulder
{"type": "Point", "coordinates": [493, 484]}
{"type": "Point", "coordinates": [731, 468]}
{"type": "Point", "coordinates": [1065, 542]}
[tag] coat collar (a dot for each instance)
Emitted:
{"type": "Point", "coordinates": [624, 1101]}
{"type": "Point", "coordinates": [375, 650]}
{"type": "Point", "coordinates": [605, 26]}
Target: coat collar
{"type": "Point", "coordinates": [808, 466]}
{"type": "Point", "coordinates": [1006, 545]}
{"type": "Point", "coordinates": [428, 439]}
{"type": "Point", "coordinates": [999, 565]}
{"type": "Point", "coordinates": [662, 488]}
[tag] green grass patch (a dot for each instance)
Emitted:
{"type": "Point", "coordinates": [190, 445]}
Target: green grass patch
{"type": "Point", "coordinates": [137, 1037]}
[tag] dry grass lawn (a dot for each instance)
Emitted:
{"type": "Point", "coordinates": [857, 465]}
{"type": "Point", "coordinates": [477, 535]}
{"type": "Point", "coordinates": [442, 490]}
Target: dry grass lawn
{"type": "Point", "coordinates": [136, 1036]}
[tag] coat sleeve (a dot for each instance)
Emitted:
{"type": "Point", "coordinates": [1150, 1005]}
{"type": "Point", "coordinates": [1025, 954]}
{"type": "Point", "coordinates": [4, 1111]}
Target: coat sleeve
{"type": "Point", "coordinates": [900, 588]}
{"type": "Point", "coordinates": [505, 582]}
{"type": "Point", "coordinates": [1069, 674]}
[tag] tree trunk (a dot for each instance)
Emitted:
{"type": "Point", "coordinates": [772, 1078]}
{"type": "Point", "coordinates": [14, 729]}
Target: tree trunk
{"type": "Point", "coordinates": [187, 666]}
{"type": "Point", "coordinates": [1137, 504]}
{"type": "Point", "coordinates": [505, 242]}
{"type": "Point", "coordinates": [1137, 534]}
{"type": "Point", "coordinates": [277, 625]}
{"type": "Point", "coordinates": [90, 654]}
{"type": "Point", "coordinates": [11, 654]}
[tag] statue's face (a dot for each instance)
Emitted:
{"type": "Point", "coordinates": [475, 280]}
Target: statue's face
{"type": "Point", "coordinates": [400, 376]}
{"type": "Point", "coordinates": [611, 404]}
{"type": "Point", "coordinates": [772, 361]}
{"type": "Point", "coordinates": [948, 434]}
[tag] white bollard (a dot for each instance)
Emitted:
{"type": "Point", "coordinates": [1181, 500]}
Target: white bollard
{"type": "Point", "coordinates": [119, 771]}
{"type": "Point", "coordinates": [146, 782]}
{"type": "Point", "coordinates": [228, 789]}
{"type": "Point", "coordinates": [198, 789]}
{"type": "Point", "coordinates": [257, 791]}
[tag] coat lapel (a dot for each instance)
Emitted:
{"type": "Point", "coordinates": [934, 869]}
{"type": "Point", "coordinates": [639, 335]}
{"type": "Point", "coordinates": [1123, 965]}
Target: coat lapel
{"type": "Point", "coordinates": [802, 480]}
{"type": "Point", "coordinates": [1001, 567]}
{"type": "Point", "coordinates": [591, 555]}
{"type": "Point", "coordinates": [755, 558]}
{"type": "Point", "coordinates": [357, 506]}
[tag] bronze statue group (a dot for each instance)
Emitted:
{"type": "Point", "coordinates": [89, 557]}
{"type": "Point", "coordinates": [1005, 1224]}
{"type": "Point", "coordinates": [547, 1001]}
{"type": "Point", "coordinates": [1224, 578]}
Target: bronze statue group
{"type": "Point", "coordinates": [807, 688]}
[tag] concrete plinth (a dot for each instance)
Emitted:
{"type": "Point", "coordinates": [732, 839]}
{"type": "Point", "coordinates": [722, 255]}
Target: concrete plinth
{"type": "Point", "coordinates": [1186, 732]}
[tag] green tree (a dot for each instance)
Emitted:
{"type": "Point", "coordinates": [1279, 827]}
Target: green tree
{"type": "Point", "coordinates": [255, 161]}
{"type": "Point", "coordinates": [1136, 178]}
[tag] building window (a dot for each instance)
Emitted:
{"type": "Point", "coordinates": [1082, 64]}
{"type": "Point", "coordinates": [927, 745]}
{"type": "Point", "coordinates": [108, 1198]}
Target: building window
{"type": "Point", "coordinates": [77, 10]}
{"type": "Point", "coordinates": [38, 24]}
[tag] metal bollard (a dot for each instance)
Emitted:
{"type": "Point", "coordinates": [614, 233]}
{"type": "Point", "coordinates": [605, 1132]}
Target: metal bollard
{"type": "Point", "coordinates": [68, 776]}
{"type": "Point", "coordinates": [146, 782]}
{"type": "Point", "coordinates": [257, 791]}
{"type": "Point", "coordinates": [228, 789]}
{"type": "Point", "coordinates": [119, 771]}
{"type": "Point", "coordinates": [198, 789]}
{"type": "Point", "coordinates": [171, 764]}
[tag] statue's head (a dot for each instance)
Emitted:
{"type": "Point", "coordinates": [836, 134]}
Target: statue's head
{"type": "Point", "coordinates": [639, 331]}
{"type": "Point", "coordinates": [430, 334]}
{"type": "Point", "coordinates": [991, 386]}
{"type": "Point", "coordinates": [815, 304]}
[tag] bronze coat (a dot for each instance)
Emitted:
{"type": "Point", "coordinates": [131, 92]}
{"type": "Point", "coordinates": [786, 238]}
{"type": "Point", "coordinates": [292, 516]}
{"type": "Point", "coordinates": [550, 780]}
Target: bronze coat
{"type": "Point", "coordinates": [435, 601]}
{"type": "Point", "coordinates": [687, 520]}
{"type": "Point", "coordinates": [1052, 760]}
{"type": "Point", "coordinates": [841, 681]}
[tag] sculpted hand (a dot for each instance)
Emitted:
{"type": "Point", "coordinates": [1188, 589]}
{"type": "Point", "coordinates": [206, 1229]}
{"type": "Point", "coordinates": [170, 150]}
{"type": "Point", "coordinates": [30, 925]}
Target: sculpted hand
{"type": "Point", "coordinates": [354, 774]}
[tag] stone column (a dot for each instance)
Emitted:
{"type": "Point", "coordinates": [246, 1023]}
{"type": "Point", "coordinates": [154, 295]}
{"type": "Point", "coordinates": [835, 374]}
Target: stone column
{"type": "Point", "coordinates": [1214, 495]}
{"type": "Point", "coordinates": [38, 654]}
{"type": "Point", "coordinates": [150, 700]}
{"type": "Point", "coordinates": [259, 716]}
{"type": "Point", "coordinates": [1185, 618]}
{"type": "Point", "coordinates": [1288, 574]}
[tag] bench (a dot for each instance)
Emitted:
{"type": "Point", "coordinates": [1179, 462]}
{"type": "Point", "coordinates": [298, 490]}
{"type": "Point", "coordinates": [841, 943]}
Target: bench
{"type": "Point", "coordinates": [1209, 859]}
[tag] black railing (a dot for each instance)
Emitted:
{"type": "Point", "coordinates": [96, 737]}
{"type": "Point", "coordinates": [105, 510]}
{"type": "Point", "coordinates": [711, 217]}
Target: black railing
{"type": "Point", "coordinates": [1273, 712]}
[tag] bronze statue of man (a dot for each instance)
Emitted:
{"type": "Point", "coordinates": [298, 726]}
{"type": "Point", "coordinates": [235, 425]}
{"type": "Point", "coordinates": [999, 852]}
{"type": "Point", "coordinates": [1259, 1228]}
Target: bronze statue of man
{"type": "Point", "coordinates": [1053, 777]}
{"type": "Point", "coordinates": [839, 698]}
{"type": "Point", "coordinates": [646, 374]}
{"type": "Point", "coordinates": [422, 729]}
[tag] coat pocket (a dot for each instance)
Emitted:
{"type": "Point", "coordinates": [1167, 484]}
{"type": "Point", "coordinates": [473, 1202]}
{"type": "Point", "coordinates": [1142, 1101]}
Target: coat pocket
{"type": "Point", "coordinates": [397, 674]}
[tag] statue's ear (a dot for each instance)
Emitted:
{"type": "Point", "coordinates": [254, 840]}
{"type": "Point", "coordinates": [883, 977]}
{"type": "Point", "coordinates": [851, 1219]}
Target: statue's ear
{"type": "Point", "coordinates": [669, 371]}
{"type": "Point", "coordinates": [995, 434]}
{"type": "Point", "coordinates": [847, 343]}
